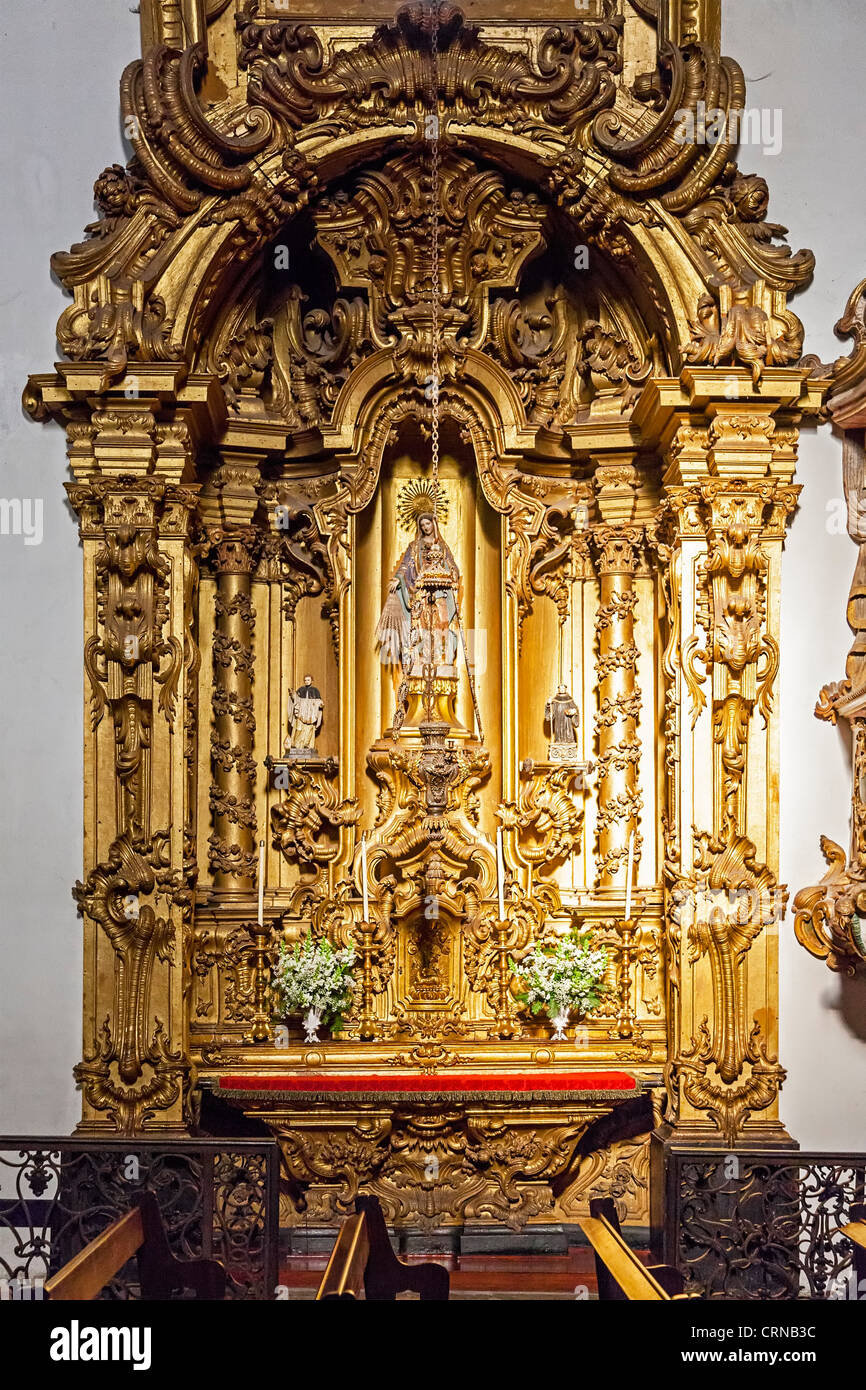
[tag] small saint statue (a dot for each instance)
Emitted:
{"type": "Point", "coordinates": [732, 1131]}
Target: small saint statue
{"type": "Point", "coordinates": [563, 716]}
{"type": "Point", "coordinates": [306, 707]}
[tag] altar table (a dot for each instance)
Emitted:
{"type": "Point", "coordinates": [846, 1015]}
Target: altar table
{"type": "Point", "coordinates": [438, 1149]}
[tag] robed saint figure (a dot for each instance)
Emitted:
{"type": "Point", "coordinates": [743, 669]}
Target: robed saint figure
{"type": "Point", "coordinates": [416, 629]}
{"type": "Point", "coordinates": [306, 708]}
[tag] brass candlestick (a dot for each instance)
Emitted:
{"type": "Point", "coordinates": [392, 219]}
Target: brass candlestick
{"type": "Point", "coordinates": [260, 1030]}
{"type": "Point", "coordinates": [505, 1016]}
{"type": "Point", "coordinates": [366, 1023]}
{"type": "Point", "coordinates": [628, 954]}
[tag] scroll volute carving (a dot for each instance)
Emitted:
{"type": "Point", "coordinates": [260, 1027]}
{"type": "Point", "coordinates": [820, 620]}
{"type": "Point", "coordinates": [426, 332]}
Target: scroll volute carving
{"type": "Point", "coordinates": [316, 350]}
{"type": "Point", "coordinates": [133, 1072]}
{"type": "Point", "coordinates": [377, 237]}
{"type": "Point", "coordinates": [293, 78]}
{"type": "Point", "coordinates": [740, 329]}
{"type": "Point", "coordinates": [306, 821]}
{"type": "Point", "coordinates": [548, 815]}
{"type": "Point", "coordinates": [560, 553]}
{"type": "Point", "coordinates": [569, 364]}
{"type": "Point", "coordinates": [295, 553]}
{"type": "Point", "coordinates": [828, 917]}
{"type": "Point", "coordinates": [726, 1069]}
{"type": "Point", "coordinates": [235, 164]}
{"type": "Point", "coordinates": [245, 365]}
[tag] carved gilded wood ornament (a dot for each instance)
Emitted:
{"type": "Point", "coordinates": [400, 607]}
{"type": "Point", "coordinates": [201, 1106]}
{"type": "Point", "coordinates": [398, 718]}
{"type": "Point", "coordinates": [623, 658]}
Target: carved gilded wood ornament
{"type": "Point", "coordinates": [247, 389]}
{"type": "Point", "coordinates": [829, 916]}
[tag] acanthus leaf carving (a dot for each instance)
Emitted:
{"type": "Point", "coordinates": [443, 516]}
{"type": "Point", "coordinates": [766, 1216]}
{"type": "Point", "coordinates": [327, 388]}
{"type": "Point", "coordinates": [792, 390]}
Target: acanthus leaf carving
{"type": "Point", "coordinates": [743, 332]}
{"type": "Point", "coordinates": [307, 818]}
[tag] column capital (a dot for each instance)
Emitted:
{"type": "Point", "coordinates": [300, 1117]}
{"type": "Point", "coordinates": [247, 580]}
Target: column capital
{"type": "Point", "coordinates": [127, 501]}
{"type": "Point", "coordinates": [617, 549]}
{"type": "Point", "coordinates": [233, 551]}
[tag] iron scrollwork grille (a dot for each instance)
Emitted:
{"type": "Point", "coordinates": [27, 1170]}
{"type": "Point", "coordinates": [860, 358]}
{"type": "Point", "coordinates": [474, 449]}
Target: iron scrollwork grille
{"type": "Point", "coordinates": [766, 1226]}
{"type": "Point", "coordinates": [218, 1198]}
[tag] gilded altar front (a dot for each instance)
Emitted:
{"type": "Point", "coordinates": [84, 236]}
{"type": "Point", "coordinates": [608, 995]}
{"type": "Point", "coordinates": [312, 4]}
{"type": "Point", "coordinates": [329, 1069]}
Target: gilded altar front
{"type": "Point", "coordinates": [249, 391]}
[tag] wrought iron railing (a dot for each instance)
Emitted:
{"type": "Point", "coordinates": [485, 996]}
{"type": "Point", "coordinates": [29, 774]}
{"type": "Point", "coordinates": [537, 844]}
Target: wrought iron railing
{"type": "Point", "coordinates": [763, 1224]}
{"type": "Point", "coordinates": [217, 1197]}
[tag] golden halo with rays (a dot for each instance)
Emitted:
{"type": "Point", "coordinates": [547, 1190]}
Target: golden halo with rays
{"type": "Point", "coordinates": [415, 499]}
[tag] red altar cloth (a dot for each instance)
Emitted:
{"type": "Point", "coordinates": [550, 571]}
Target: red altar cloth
{"type": "Point", "coordinates": [578, 1085]}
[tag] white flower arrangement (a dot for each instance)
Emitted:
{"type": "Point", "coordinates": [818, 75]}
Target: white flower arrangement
{"type": "Point", "coordinates": [312, 978]}
{"type": "Point", "coordinates": [563, 979]}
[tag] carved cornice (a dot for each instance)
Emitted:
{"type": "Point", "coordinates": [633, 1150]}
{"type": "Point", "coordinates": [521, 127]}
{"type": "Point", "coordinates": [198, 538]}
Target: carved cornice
{"type": "Point", "coordinates": [570, 79]}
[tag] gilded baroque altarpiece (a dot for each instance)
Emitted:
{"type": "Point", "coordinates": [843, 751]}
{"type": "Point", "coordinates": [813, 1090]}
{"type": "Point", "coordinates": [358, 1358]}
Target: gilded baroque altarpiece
{"type": "Point", "coordinates": [246, 390]}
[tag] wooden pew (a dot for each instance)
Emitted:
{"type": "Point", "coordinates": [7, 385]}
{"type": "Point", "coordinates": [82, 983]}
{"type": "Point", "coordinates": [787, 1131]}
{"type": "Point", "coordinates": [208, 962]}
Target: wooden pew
{"type": "Point", "coordinates": [363, 1259]}
{"type": "Point", "coordinates": [139, 1232]}
{"type": "Point", "coordinates": [856, 1233]}
{"type": "Point", "coordinates": [621, 1275]}
{"type": "Point", "coordinates": [344, 1276]}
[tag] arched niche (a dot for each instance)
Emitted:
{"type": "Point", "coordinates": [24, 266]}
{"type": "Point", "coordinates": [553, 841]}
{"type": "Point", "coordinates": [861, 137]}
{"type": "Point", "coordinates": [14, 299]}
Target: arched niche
{"type": "Point", "coordinates": [473, 531]}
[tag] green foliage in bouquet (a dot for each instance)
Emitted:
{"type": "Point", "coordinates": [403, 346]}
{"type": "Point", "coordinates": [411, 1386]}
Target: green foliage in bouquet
{"type": "Point", "coordinates": [563, 978]}
{"type": "Point", "coordinates": [312, 975]}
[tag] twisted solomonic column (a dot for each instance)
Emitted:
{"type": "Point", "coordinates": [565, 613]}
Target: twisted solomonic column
{"type": "Point", "coordinates": [232, 845]}
{"type": "Point", "coordinates": [617, 552]}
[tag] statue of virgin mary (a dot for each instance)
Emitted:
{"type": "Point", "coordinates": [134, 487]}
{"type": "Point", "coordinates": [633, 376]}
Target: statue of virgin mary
{"type": "Point", "coordinates": [416, 628]}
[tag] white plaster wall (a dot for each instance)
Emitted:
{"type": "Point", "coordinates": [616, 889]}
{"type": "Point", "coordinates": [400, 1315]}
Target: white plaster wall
{"type": "Point", "coordinates": [809, 55]}
{"type": "Point", "coordinates": [59, 109]}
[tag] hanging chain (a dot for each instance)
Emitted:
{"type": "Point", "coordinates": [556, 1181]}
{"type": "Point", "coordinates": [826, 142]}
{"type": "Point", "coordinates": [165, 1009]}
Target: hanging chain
{"type": "Point", "coordinates": [432, 124]}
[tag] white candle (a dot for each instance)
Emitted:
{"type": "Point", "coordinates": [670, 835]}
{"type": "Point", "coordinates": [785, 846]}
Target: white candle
{"type": "Point", "coordinates": [364, 877]}
{"type": "Point", "coordinates": [261, 883]}
{"type": "Point", "coordinates": [500, 873]}
{"type": "Point", "coordinates": [628, 876]}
